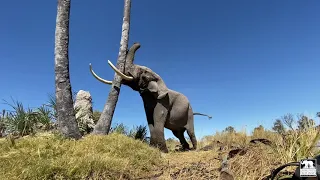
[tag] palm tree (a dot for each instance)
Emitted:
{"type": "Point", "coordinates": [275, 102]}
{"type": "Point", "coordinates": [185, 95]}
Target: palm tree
{"type": "Point", "coordinates": [65, 112]}
{"type": "Point", "coordinates": [104, 124]}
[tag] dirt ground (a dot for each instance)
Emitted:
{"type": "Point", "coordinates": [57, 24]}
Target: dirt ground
{"type": "Point", "coordinates": [253, 162]}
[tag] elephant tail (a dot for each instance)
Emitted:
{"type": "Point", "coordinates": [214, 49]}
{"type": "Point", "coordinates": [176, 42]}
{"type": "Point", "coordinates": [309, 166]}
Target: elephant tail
{"type": "Point", "coordinates": [202, 115]}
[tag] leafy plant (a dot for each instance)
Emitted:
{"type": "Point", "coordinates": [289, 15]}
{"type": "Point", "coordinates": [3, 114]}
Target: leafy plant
{"type": "Point", "coordinates": [258, 131]}
{"type": "Point", "coordinates": [25, 121]}
{"type": "Point", "coordinates": [229, 129]}
{"type": "Point", "coordinates": [45, 118]}
{"type": "Point", "coordinates": [139, 132]}
{"type": "Point", "coordinates": [305, 123]}
{"type": "Point", "coordinates": [51, 103]}
{"type": "Point", "coordinates": [96, 116]}
{"type": "Point", "coordinates": [295, 144]}
{"type": "Point", "coordinates": [278, 127]}
{"type": "Point", "coordinates": [2, 122]}
{"type": "Point", "coordinates": [21, 121]}
{"type": "Point", "coordinates": [120, 129]}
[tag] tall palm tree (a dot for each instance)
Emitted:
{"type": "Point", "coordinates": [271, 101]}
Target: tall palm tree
{"type": "Point", "coordinates": [104, 123]}
{"type": "Point", "coordinates": [66, 115]}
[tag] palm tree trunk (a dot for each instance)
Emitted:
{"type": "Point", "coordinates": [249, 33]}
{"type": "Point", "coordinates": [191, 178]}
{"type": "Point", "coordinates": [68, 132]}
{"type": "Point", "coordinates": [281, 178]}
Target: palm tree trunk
{"type": "Point", "coordinates": [66, 115]}
{"type": "Point", "coordinates": [104, 123]}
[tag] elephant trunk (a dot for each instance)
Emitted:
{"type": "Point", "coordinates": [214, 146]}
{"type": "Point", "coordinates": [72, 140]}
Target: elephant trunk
{"type": "Point", "coordinates": [131, 53]}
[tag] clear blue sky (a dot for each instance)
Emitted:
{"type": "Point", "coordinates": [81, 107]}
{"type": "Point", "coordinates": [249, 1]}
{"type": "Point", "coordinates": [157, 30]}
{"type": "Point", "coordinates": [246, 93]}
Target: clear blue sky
{"type": "Point", "coordinates": [243, 62]}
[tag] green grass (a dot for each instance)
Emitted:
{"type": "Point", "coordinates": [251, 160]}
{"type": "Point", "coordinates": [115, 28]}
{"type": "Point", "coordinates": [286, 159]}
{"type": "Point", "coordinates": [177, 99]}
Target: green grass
{"type": "Point", "coordinates": [93, 157]}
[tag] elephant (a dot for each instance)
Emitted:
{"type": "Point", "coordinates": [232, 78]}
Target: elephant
{"type": "Point", "coordinates": [164, 108]}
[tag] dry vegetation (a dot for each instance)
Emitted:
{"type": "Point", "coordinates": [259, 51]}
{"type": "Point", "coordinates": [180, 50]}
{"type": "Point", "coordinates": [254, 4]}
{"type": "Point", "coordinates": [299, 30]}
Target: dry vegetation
{"type": "Point", "coordinates": [48, 156]}
{"type": "Point", "coordinates": [30, 149]}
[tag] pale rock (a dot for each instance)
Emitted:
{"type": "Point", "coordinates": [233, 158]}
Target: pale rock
{"type": "Point", "coordinates": [84, 112]}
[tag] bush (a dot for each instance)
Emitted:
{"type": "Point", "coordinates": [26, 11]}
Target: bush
{"type": "Point", "coordinates": [229, 129]}
{"type": "Point", "coordinates": [138, 132]}
{"type": "Point", "coordinates": [2, 122]}
{"type": "Point", "coordinates": [296, 143]}
{"type": "Point", "coordinates": [21, 121]}
{"type": "Point", "coordinates": [24, 121]}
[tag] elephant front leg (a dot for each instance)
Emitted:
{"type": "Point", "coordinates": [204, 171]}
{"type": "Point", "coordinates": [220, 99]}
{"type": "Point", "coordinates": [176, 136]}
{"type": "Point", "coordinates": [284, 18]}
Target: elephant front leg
{"type": "Point", "coordinates": [156, 115]}
{"type": "Point", "coordinates": [157, 136]}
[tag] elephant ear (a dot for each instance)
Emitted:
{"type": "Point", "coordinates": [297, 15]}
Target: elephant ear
{"type": "Point", "coordinates": [154, 88]}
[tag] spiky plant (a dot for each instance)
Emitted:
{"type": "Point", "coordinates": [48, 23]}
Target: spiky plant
{"type": "Point", "coordinates": [51, 103]}
{"type": "Point", "coordinates": [139, 132]}
{"type": "Point", "coordinates": [2, 122]}
{"type": "Point", "coordinates": [45, 118]}
{"type": "Point", "coordinates": [119, 128]}
{"type": "Point", "coordinates": [21, 121]}
{"type": "Point", "coordinates": [96, 116]}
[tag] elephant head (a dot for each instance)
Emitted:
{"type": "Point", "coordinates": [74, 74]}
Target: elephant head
{"type": "Point", "coordinates": [139, 78]}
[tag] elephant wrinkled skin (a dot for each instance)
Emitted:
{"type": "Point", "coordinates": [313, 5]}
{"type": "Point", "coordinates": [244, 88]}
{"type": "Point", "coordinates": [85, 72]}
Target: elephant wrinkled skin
{"type": "Point", "coordinates": [164, 108]}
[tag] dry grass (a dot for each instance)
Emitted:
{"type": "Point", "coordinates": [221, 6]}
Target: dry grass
{"type": "Point", "coordinates": [93, 157]}
{"type": "Point", "coordinates": [119, 157]}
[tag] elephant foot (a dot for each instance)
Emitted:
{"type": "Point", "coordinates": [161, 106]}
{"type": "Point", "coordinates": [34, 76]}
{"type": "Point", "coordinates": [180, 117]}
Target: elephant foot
{"type": "Point", "coordinates": [186, 147]}
{"type": "Point", "coordinates": [165, 150]}
{"type": "Point", "coordinates": [182, 149]}
{"type": "Point", "coordinates": [162, 147]}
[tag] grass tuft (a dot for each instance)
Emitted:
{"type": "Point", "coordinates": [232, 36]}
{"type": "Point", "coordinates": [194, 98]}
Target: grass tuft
{"type": "Point", "coordinates": [93, 157]}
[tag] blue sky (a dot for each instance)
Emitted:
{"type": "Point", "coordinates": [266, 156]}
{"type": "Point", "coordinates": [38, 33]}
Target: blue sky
{"type": "Point", "coordinates": [243, 62]}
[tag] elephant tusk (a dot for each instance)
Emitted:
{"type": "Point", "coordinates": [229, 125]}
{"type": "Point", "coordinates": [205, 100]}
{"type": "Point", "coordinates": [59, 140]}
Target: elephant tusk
{"type": "Point", "coordinates": [125, 77]}
{"type": "Point", "coordinates": [99, 78]}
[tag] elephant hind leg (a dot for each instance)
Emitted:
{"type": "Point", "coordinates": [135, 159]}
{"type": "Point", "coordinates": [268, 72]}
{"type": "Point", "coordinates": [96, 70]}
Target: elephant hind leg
{"type": "Point", "coordinates": [180, 135]}
{"type": "Point", "coordinates": [193, 138]}
{"type": "Point", "coordinates": [190, 128]}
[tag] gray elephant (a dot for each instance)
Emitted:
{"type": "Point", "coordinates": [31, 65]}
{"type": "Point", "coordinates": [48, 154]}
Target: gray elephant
{"type": "Point", "coordinates": [163, 107]}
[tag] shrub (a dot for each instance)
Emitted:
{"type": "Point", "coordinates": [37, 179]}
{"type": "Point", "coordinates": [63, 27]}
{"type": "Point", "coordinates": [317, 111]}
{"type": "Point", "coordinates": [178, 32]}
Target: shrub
{"type": "Point", "coordinates": [295, 144]}
{"type": "Point", "coordinates": [21, 121]}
